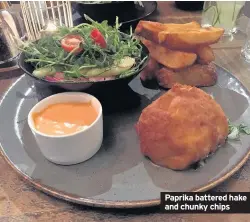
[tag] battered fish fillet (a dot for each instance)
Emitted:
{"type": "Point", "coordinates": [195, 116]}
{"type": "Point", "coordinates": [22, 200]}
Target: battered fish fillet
{"type": "Point", "coordinates": [181, 127]}
{"type": "Point", "coordinates": [195, 75]}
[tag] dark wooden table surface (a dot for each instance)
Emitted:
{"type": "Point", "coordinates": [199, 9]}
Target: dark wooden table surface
{"type": "Point", "coordinates": [21, 202]}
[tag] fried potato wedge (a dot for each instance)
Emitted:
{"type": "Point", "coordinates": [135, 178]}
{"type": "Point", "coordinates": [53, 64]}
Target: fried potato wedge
{"type": "Point", "coordinates": [190, 39]}
{"type": "Point", "coordinates": [150, 30]}
{"type": "Point", "coordinates": [205, 55]}
{"type": "Point", "coordinates": [196, 75]}
{"type": "Point", "coordinates": [172, 59]}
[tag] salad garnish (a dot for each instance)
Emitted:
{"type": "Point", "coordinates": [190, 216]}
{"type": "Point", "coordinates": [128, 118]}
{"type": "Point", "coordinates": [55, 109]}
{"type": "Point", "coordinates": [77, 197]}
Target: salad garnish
{"type": "Point", "coordinates": [236, 130]}
{"type": "Point", "coordinates": [85, 51]}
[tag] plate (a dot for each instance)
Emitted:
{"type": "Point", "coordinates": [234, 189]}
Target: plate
{"type": "Point", "coordinates": [128, 19]}
{"type": "Point", "coordinates": [118, 176]}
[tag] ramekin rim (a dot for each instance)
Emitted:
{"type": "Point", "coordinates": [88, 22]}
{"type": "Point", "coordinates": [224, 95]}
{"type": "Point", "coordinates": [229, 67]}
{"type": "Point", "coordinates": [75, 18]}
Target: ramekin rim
{"type": "Point", "coordinates": [31, 125]}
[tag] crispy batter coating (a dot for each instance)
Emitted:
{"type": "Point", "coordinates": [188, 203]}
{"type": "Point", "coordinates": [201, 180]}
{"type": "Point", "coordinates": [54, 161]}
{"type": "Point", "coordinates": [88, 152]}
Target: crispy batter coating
{"type": "Point", "coordinates": [195, 75]}
{"type": "Point", "coordinates": [181, 127]}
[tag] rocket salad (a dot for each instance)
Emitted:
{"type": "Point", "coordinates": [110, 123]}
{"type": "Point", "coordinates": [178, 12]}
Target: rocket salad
{"type": "Point", "coordinates": [87, 51]}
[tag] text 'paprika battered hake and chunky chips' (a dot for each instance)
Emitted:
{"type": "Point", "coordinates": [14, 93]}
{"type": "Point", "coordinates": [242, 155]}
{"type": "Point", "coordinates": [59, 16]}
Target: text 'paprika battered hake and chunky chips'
{"type": "Point", "coordinates": [182, 51]}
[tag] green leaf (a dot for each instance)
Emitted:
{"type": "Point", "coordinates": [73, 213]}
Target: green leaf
{"type": "Point", "coordinates": [234, 134]}
{"type": "Point", "coordinates": [235, 131]}
{"type": "Point", "coordinates": [48, 52]}
{"type": "Point", "coordinates": [244, 129]}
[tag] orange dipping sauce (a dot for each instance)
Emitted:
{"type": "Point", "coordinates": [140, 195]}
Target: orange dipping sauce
{"type": "Point", "coordinates": [65, 118]}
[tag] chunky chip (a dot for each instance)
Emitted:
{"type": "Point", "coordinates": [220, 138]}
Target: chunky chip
{"type": "Point", "coordinates": [150, 30]}
{"type": "Point", "coordinates": [182, 50]}
{"type": "Point", "coordinates": [188, 40]}
{"type": "Point", "coordinates": [205, 55]}
{"type": "Point", "coordinates": [171, 59]}
{"type": "Point", "coordinates": [195, 75]}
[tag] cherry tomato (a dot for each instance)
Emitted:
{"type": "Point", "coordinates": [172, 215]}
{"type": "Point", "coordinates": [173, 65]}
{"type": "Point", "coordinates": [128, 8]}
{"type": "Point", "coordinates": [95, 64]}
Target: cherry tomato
{"type": "Point", "coordinates": [97, 36]}
{"type": "Point", "coordinates": [71, 42]}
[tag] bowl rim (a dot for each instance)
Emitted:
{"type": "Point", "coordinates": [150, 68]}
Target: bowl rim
{"type": "Point", "coordinates": [102, 3]}
{"type": "Point", "coordinates": [79, 94]}
{"type": "Point", "coordinates": [143, 65]}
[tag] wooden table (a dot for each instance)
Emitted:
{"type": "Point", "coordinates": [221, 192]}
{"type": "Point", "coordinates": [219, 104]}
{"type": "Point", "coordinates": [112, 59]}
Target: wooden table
{"type": "Point", "coordinates": [21, 202]}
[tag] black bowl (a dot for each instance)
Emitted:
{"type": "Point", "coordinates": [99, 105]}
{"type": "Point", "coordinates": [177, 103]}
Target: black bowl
{"type": "Point", "coordinates": [106, 10]}
{"type": "Point", "coordinates": [28, 68]}
{"type": "Point", "coordinates": [109, 11]}
{"type": "Point", "coordinates": [189, 5]}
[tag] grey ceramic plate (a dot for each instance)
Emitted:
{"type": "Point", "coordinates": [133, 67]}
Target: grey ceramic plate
{"type": "Point", "coordinates": [118, 175]}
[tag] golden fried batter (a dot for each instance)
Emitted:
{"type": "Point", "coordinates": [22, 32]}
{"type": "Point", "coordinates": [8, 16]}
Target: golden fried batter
{"type": "Point", "coordinates": [195, 75]}
{"type": "Point", "coordinates": [181, 127]}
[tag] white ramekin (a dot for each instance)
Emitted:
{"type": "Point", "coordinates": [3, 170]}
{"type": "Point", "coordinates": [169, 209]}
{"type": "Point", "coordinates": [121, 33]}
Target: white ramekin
{"type": "Point", "coordinates": [74, 148]}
